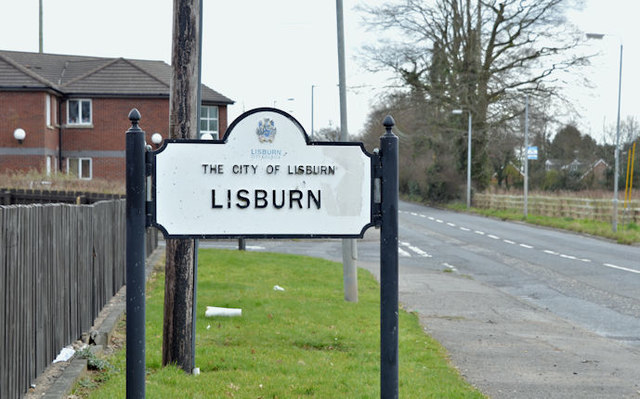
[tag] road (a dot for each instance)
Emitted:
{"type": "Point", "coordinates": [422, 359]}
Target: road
{"type": "Point", "coordinates": [525, 312]}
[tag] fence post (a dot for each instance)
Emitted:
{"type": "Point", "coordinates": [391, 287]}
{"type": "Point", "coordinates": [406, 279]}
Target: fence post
{"type": "Point", "coordinates": [135, 257]}
{"type": "Point", "coordinates": [389, 264]}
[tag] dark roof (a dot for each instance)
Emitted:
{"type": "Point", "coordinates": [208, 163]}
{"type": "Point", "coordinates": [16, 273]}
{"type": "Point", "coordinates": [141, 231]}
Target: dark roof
{"type": "Point", "coordinates": [96, 76]}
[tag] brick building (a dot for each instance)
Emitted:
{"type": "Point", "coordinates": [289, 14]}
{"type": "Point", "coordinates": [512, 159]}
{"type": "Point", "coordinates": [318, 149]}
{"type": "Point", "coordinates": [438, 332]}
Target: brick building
{"type": "Point", "coordinates": [73, 111]}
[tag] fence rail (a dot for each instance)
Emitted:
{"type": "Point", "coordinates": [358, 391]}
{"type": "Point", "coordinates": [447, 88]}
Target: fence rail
{"type": "Point", "coordinates": [576, 208]}
{"type": "Point", "coordinates": [59, 265]}
{"type": "Point", "coordinates": [13, 196]}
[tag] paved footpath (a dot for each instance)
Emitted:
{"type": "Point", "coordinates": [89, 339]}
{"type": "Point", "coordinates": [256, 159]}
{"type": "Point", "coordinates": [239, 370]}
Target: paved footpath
{"type": "Point", "coordinates": [510, 349]}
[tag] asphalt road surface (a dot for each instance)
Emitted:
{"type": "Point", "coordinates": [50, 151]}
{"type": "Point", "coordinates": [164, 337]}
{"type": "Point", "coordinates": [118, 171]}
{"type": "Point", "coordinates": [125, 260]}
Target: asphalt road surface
{"type": "Point", "coordinates": [524, 312]}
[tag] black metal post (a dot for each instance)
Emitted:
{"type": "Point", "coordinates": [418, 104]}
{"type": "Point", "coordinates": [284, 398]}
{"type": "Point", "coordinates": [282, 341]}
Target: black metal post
{"type": "Point", "coordinates": [389, 263]}
{"type": "Point", "coordinates": [135, 257]}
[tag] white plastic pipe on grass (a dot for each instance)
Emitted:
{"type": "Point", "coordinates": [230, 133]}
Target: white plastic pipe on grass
{"type": "Point", "coordinates": [213, 311]}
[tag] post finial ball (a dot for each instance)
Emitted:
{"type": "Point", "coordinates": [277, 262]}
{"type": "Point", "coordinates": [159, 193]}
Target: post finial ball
{"type": "Point", "coordinates": [134, 116]}
{"type": "Point", "coordinates": [388, 122]}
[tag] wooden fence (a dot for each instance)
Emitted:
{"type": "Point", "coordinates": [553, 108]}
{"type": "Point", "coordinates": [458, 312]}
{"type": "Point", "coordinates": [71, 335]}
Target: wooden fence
{"type": "Point", "coordinates": [576, 208]}
{"type": "Point", "coordinates": [59, 265]}
{"type": "Point", "coordinates": [13, 196]}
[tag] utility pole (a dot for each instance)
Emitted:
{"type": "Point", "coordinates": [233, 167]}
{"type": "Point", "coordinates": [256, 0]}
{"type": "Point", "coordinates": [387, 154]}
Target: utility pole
{"type": "Point", "coordinates": [349, 246]}
{"type": "Point", "coordinates": [177, 336]}
{"type": "Point", "coordinates": [40, 47]}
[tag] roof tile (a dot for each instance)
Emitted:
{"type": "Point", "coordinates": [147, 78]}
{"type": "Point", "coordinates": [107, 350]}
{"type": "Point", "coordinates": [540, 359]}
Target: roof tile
{"type": "Point", "coordinates": [97, 76]}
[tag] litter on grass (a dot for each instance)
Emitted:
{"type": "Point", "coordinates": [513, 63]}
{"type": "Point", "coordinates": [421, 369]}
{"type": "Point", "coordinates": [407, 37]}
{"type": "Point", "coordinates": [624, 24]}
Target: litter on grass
{"type": "Point", "coordinates": [277, 288]}
{"type": "Point", "coordinates": [213, 311]}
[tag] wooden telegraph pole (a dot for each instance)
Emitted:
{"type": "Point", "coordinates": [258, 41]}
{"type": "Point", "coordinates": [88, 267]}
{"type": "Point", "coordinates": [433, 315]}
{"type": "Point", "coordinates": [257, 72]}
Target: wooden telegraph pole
{"type": "Point", "coordinates": [177, 338]}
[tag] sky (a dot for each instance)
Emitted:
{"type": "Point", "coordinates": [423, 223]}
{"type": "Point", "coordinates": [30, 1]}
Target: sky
{"type": "Point", "coordinates": [270, 53]}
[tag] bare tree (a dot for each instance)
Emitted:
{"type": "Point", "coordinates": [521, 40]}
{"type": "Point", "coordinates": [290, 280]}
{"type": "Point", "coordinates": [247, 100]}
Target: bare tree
{"type": "Point", "coordinates": [468, 54]}
{"type": "Point", "coordinates": [328, 134]}
{"type": "Point", "coordinates": [629, 131]}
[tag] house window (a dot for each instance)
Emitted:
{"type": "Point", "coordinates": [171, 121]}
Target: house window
{"type": "Point", "coordinates": [209, 121]}
{"type": "Point", "coordinates": [79, 112]}
{"type": "Point", "coordinates": [48, 109]}
{"type": "Point", "coordinates": [54, 110]}
{"type": "Point", "coordinates": [80, 168]}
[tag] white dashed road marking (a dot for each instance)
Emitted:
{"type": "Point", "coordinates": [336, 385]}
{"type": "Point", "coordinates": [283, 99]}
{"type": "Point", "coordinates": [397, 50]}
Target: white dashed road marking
{"type": "Point", "coordinates": [403, 253]}
{"type": "Point", "coordinates": [415, 249]}
{"type": "Point", "coordinates": [451, 267]}
{"type": "Point", "coordinates": [492, 236]}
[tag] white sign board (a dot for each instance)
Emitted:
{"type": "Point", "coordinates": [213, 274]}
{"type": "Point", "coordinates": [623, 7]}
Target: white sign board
{"type": "Point", "coordinates": [532, 152]}
{"type": "Point", "coordinates": [264, 179]}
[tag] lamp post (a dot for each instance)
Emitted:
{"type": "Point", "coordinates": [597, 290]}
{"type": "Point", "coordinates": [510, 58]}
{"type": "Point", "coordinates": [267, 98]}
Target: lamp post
{"type": "Point", "coordinates": [312, 89]}
{"type": "Point", "coordinates": [460, 112]}
{"type": "Point", "coordinates": [526, 150]}
{"type": "Point", "coordinates": [526, 158]}
{"type": "Point", "coordinates": [614, 220]}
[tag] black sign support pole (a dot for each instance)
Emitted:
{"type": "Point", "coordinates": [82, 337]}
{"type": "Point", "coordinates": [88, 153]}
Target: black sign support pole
{"type": "Point", "coordinates": [135, 257]}
{"type": "Point", "coordinates": [389, 263]}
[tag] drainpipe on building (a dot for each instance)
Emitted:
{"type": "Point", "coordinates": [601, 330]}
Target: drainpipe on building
{"type": "Point", "coordinates": [60, 124]}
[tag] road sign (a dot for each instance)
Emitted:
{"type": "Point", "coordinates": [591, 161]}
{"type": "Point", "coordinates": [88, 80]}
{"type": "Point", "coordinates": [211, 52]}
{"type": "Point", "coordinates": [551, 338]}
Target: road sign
{"type": "Point", "coordinates": [264, 179]}
{"type": "Point", "coordinates": [532, 152]}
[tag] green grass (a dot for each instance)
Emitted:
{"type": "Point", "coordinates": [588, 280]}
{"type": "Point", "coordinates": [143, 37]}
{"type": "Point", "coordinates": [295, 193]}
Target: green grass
{"type": "Point", "coordinates": [627, 233]}
{"type": "Point", "coordinates": [305, 342]}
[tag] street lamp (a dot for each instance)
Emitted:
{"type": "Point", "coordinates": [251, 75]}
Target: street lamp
{"type": "Point", "coordinates": [614, 223]}
{"type": "Point", "coordinates": [288, 99]}
{"type": "Point", "coordinates": [460, 112]}
{"type": "Point", "coordinates": [312, 89]}
{"type": "Point", "coordinates": [19, 134]}
{"type": "Point", "coordinates": [156, 139]}
{"type": "Point", "coordinates": [526, 151]}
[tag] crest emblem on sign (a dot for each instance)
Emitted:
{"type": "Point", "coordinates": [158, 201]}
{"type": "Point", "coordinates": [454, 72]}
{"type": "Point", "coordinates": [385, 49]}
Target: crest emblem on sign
{"type": "Point", "coordinates": [266, 130]}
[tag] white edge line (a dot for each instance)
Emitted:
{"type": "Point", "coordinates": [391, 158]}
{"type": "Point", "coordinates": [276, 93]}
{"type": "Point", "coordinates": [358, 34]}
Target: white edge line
{"type": "Point", "coordinates": [622, 268]}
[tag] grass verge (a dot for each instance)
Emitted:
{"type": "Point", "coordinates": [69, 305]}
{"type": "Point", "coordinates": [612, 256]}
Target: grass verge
{"type": "Point", "coordinates": [627, 233]}
{"type": "Point", "coordinates": [304, 342]}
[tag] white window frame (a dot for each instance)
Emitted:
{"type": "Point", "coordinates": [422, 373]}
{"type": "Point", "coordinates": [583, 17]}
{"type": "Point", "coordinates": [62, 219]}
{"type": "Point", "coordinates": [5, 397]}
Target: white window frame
{"type": "Point", "coordinates": [214, 133]}
{"type": "Point", "coordinates": [47, 106]}
{"type": "Point", "coordinates": [80, 101]}
{"type": "Point", "coordinates": [80, 160]}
